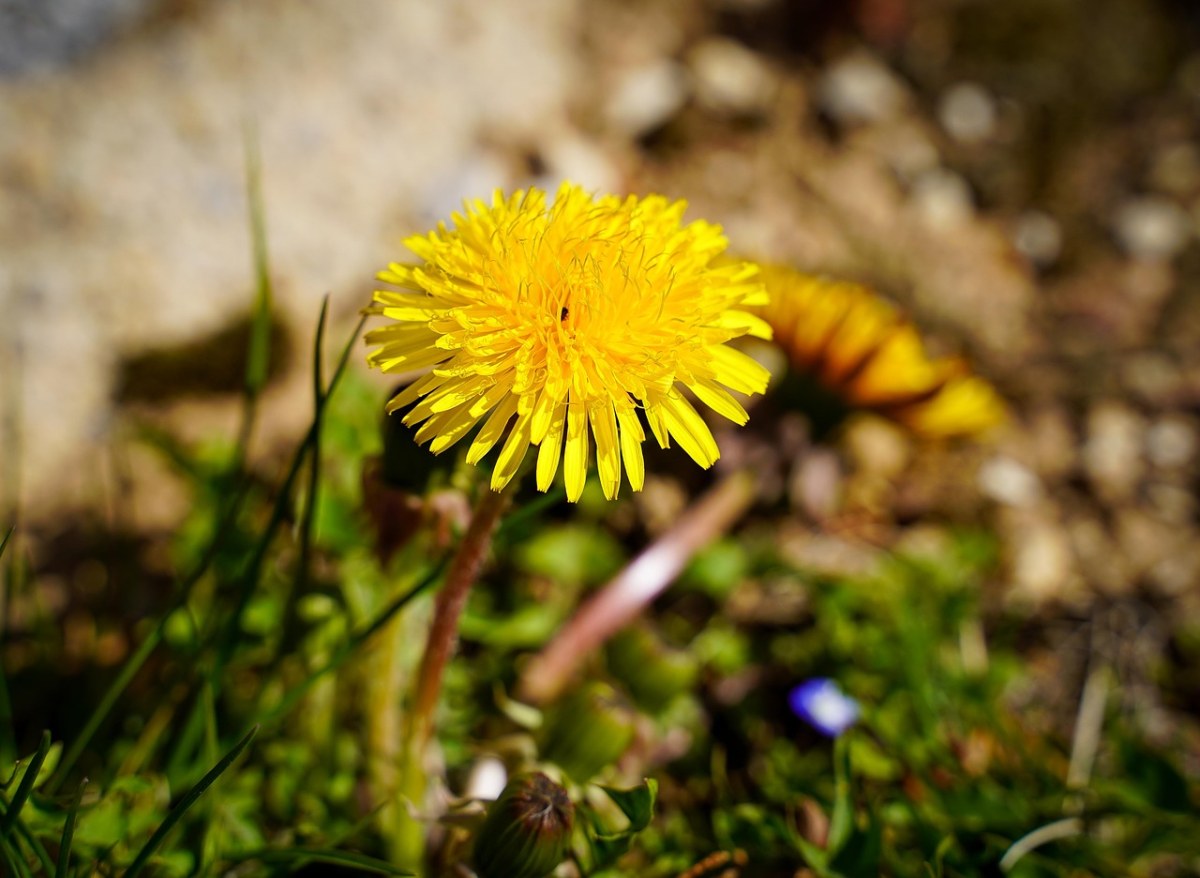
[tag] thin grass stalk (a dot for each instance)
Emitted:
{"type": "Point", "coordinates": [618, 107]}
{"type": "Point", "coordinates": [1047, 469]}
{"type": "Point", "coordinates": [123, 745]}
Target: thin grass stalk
{"type": "Point", "coordinates": [176, 814]}
{"type": "Point", "coordinates": [68, 834]}
{"type": "Point", "coordinates": [632, 590]}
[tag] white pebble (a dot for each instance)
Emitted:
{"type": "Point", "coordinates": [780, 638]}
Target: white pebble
{"type": "Point", "coordinates": [968, 113]}
{"type": "Point", "coordinates": [859, 88]}
{"type": "Point", "coordinates": [647, 97]}
{"type": "Point", "coordinates": [1038, 237]}
{"type": "Point", "coordinates": [1171, 442]}
{"type": "Point", "coordinates": [729, 78]}
{"type": "Point", "coordinates": [1151, 228]}
{"type": "Point", "coordinates": [1009, 482]}
{"type": "Point", "coordinates": [942, 198]}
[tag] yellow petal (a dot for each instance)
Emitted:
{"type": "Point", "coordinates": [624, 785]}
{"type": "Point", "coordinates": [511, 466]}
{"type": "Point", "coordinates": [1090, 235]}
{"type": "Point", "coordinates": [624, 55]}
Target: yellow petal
{"type": "Point", "coordinates": [737, 370]}
{"type": "Point", "coordinates": [550, 449]}
{"type": "Point", "coordinates": [718, 399]}
{"type": "Point", "coordinates": [492, 430]}
{"type": "Point", "coordinates": [576, 457]}
{"type": "Point", "coordinates": [608, 449]}
{"type": "Point", "coordinates": [632, 436]}
{"type": "Point", "coordinates": [689, 430]}
{"type": "Point", "coordinates": [511, 454]}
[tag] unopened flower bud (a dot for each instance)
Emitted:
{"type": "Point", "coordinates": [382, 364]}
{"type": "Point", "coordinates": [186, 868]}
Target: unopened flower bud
{"type": "Point", "coordinates": [527, 832]}
{"type": "Point", "coordinates": [587, 731]}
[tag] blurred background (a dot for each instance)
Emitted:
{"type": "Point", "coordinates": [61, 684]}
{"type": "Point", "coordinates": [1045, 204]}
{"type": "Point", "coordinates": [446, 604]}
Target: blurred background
{"type": "Point", "coordinates": [1021, 176]}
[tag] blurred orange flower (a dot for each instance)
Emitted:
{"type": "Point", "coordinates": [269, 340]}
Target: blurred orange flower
{"type": "Point", "coordinates": [858, 346]}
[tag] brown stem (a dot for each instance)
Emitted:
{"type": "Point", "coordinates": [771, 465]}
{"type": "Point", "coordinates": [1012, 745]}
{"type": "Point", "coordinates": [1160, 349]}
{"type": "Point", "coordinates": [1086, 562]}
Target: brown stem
{"type": "Point", "coordinates": [443, 633]}
{"type": "Point", "coordinates": [637, 585]}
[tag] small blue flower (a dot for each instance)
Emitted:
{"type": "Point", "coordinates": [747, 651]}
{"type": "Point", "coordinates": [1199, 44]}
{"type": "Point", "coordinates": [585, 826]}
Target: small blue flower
{"type": "Point", "coordinates": [821, 704]}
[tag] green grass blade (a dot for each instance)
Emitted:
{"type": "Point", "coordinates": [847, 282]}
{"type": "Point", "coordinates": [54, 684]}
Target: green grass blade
{"type": "Point", "coordinates": [39, 850]}
{"type": "Point", "coordinates": [298, 857]}
{"type": "Point", "coordinates": [12, 858]}
{"type": "Point", "coordinates": [68, 834]}
{"type": "Point", "coordinates": [25, 787]}
{"type": "Point", "coordinates": [250, 576]}
{"type": "Point", "coordinates": [347, 649]}
{"type": "Point", "coordinates": [304, 564]}
{"type": "Point", "coordinates": [176, 813]}
{"type": "Point", "coordinates": [8, 536]}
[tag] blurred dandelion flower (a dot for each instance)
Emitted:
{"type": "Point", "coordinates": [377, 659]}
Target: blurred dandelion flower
{"type": "Point", "coordinates": [566, 319]}
{"type": "Point", "coordinates": [821, 704]}
{"type": "Point", "coordinates": [859, 347]}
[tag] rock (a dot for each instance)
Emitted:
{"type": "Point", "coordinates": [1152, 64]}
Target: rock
{"type": "Point", "coordinates": [1038, 237]}
{"type": "Point", "coordinates": [1113, 449]}
{"type": "Point", "coordinates": [477, 176]}
{"type": "Point", "coordinates": [730, 79]}
{"type": "Point", "coordinates": [942, 199]}
{"type": "Point", "coordinates": [968, 113]}
{"type": "Point", "coordinates": [1171, 442]}
{"type": "Point", "coordinates": [1041, 561]}
{"type": "Point", "coordinates": [37, 36]}
{"type": "Point", "coordinates": [570, 156]}
{"type": "Point", "coordinates": [646, 97]}
{"type": "Point", "coordinates": [1009, 482]}
{"type": "Point", "coordinates": [1151, 228]}
{"type": "Point", "coordinates": [859, 89]}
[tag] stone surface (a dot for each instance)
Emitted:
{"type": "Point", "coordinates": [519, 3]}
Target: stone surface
{"type": "Point", "coordinates": [123, 222]}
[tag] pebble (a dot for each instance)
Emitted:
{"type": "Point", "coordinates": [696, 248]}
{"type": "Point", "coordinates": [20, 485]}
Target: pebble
{"type": "Point", "coordinates": [942, 199]}
{"type": "Point", "coordinates": [1038, 237]}
{"type": "Point", "coordinates": [731, 79]}
{"type": "Point", "coordinates": [570, 156]}
{"type": "Point", "coordinates": [1041, 564]}
{"type": "Point", "coordinates": [968, 113]}
{"type": "Point", "coordinates": [1009, 482]}
{"type": "Point", "coordinates": [1171, 442]}
{"type": "Point", "coordinates": [41, 35]}
{"type": "Point", "coordinates": [1112, 451]}
{"type": "Point", "coordinates": [858, 88]}
{"type": "Point", "coordinates": [477, 176]}
{"type": "Point", "coordinates": [647, 96]}
{"type": "Point", "coordinates": [1151, 227]}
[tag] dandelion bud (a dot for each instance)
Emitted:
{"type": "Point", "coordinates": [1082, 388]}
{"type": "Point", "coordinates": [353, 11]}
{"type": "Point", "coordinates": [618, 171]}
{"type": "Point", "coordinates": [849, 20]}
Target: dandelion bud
{"type": "Point", "coordinates": [587, 731]}
{"type": "Point", "coordinates": [527, 832]}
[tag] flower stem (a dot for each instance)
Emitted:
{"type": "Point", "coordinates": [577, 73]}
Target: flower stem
{"type": "Point", "coordinates": [451, 599]}
{"type": "Point", "coordinates": [637, 585]}
{"type": "Point", "coordinates": [443, 635]}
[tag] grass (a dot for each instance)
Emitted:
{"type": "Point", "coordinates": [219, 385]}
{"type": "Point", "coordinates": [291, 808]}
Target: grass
{"type": "Point", "coordinates": [287, 600]}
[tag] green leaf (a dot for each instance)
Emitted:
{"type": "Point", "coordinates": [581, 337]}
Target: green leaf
{"type": "Point", "coordinates": [841, 822]}
{"type": "Point", "coordinates": [637, 804]}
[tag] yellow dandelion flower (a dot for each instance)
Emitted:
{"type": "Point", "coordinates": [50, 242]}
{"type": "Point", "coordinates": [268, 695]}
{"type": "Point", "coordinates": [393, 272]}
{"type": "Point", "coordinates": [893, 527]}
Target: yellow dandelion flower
{"type": "Point", "coordinates": [862, 349]}
{"type": "Point", "coordinates": [566, 323]}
